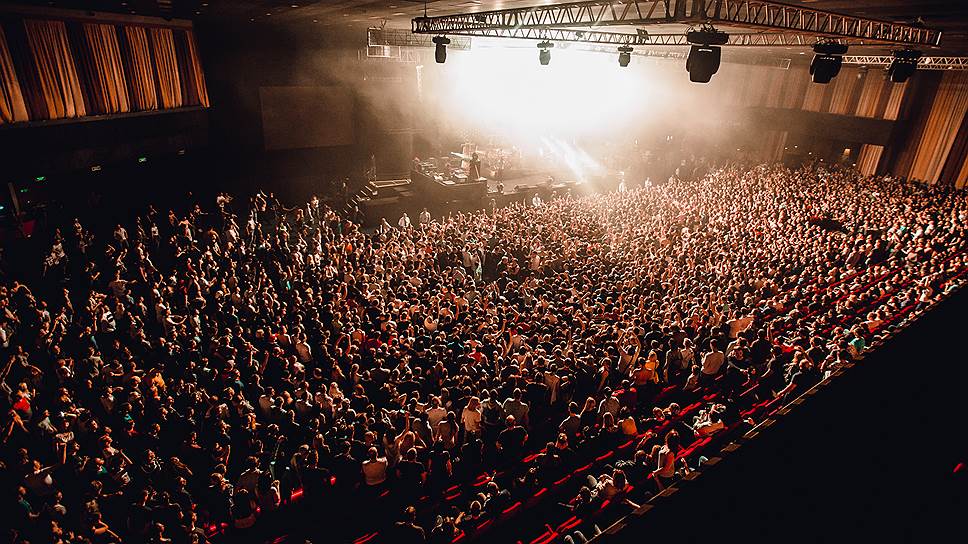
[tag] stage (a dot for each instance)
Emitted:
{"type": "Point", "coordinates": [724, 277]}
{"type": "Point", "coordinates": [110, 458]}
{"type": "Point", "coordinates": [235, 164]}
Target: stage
{"type": "Point", "coordinates": [413, 196]}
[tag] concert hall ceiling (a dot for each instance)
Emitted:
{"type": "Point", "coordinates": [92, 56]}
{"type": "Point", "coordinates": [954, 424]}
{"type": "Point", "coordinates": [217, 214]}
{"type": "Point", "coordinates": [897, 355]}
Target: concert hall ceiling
{"type": "Point", "coordinates": [950, 16]}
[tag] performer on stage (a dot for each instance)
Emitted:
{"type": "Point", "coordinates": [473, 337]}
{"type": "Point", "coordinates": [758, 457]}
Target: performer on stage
{"type": "Point", "coordinates": [474, 170]}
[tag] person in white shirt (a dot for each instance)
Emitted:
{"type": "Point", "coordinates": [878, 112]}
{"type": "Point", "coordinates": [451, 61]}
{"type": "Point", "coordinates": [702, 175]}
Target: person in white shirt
{"type": "Point", "coordinates": [712, 361]}
{"type": "Point", "coordinates": [375, 468]}
{"type": "Point", "coordinates": [384, 226]}
{"type": "Point", "coordinates": [471, 418]}
{"type": "Point", "coordinates": [436, 412]}
{"type": "Point", "coordinates": [404, 222]}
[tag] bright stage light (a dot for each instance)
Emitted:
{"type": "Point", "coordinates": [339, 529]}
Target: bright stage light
{"type": "Point", "coordinates": [703, 62]}
{"type": "Point", "coordinates": [582, 97]}
{"type": "Point", "coordinates": [500, 90]}
{"type": "Point", "coordinates": [624, 56]}
{"type": "Point", "coordinates": [705, 54]}
{"type": "Point", "coordinates": [903, 66]}
{"type": "Point", "coordinates": [440, 48]}
{"type": "Point", "coordinates": [827, 61]}
{"type": "Point", "coordinates": [544, 55]}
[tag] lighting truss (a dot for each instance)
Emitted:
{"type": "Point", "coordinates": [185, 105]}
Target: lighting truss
{"type": "Point", "coordinates": [754, 39]}
{"type": "Point", "coordinates": [681, 54]}
{"type": "Point", "coordinates": [741, 13]}
{"type": "Point", "coordinates": [560, 35]}
{"type": "Point", "coordinates": [376, 36]}
{"type": "Point", "coordinates": [924, 63]}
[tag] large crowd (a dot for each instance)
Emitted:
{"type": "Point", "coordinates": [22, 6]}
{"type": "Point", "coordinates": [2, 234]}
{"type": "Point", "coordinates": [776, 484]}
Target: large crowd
{"type": "Point", "coordinates": [209, 370]}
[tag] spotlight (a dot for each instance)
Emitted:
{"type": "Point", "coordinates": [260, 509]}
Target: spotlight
{"type": "Point", "coordinates": [440, 48]}
{"type": "Point", "coordinates": [827, 61]}
{"type": "Point", "coordinates": [903, 66]}
{"type": "Point", "coordinates": [705, 53]}
{"type": "Point", "coordinates": [624, 56]}
{"type": "Point", "coordinates": [707, 36]}
{"type": "Point", "coordinates": [544, 55]}
{"type": "Point", "coordinates": [703, 62]}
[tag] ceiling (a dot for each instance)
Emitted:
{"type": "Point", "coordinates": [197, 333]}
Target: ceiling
{"type": "Point", "coordinates": [950, 16]}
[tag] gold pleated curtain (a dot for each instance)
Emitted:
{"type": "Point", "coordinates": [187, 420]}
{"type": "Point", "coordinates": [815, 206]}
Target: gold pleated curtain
{"type": "Point", "coordinates": [773, 95]}
{"type": "Point", "coordinates": [962, 178]}
{"type": "Point", "coordinates": [196, 70]}
{"type": "Point", "coordinates": [813, 101]}
{"type": "Point", "coordinates": [751, 87]}
{"type": "Point", "coordinates": [108, 88]}
{"type": "Point", "coordinates": [843, 89]}
{"type": "Point", "coordinates": [59, 84]}
{"type": "Point", "coordinates": [773, 144]}
{"type": "Point", "coordinates": [893, 107]}
{"type": "Point", "coordinates": [139, 68]}
{"type": "Point", "coordinates": [13, 108]}
{"type": "Point", "coordinates": [166, 67]}
{"type": "Point", "coordinates": [870, 93]}
{"type": "Point", "coordinates": [795, 88]}
{"type": "Point", "coordinates": [869, 158]}
{"type": "Point", "coordinates": [947, 112]}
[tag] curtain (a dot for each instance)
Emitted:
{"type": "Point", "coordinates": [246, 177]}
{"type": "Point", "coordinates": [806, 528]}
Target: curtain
{"type": "Point", "coordinates": [195, 70]}
{"type": "Point", "coordinates": [813, 101]}
{"type": "Point", "coordinates": [58, 81]}
{"type": "Point", "coordinates": [941, 128]}
{"type": "Point", "coordinates": [869, 158]}
{"type": "Point", "coordinates": [774, 142]}
{"type": "Point", "coordinates": [140, 71]}
{"type": "Point", "coordinates": [957, 157]}
{"type": "Point", "coordinates": [774, 88]}
{"type": "Point", "coordinates": [843, 89]}
{"type": "Point", "coordinates": [13, 109]}
{"type": "Point", "coordinates": [757, 85]}
{"type": "Point", "coordinates": [108, 87]}
{"type": "Point", "coordinates": [64, 69]}
{"type": "Point", "coordinates": [962, 178]}
{"type": "Point", "coordinates": [166, 67]}
{"type": "Point", "coordinates": [870, 93]}
{"type": "Point", "coordinates": [893, 106]}
{"type": "Point", "coordinates": [796, 83]}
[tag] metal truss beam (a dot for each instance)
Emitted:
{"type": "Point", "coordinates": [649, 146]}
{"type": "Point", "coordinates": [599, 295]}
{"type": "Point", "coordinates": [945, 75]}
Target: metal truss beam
{"type": "Point", "coordinates": [926, 63]}
{"type": "Point", "coordinates": [399, 37]}
{"type": "Point", "coordinates": [679, 54]}
{"type": "Point", "coordinates": [561, 35]}
{"type": "Point", "coordinates": [755, 39]}
{"type": "Point", "coordinates": [742, 13]}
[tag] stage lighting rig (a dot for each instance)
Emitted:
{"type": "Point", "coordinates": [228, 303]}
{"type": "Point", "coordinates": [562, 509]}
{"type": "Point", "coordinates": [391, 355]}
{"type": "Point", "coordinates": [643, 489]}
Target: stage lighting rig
{"type": "Point", "coordinates": [904, 65]}
{"type": "Point", "coordinates": [544, 53]}
{"type": "Point", "coordinates": [440, 48]}
{"type": "Point", "coordinates": [705, 54]}
{"type": "Point", "coordinates": [624, 56]}
{"type": "Point", "coordinates": [828, 58]}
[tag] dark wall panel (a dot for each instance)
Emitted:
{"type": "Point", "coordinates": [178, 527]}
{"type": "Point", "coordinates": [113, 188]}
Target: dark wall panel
{"type": "Point", "coordinates": [300, 117]}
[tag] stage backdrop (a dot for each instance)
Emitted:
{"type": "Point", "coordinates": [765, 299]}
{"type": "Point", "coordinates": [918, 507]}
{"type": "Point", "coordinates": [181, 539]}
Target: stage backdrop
{"type": "Point", "coordinates": [301, 117]}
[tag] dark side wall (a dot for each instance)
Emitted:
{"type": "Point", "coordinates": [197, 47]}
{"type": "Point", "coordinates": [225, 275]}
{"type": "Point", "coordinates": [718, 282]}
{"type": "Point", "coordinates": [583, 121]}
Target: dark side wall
{"type": "Point", "coordinates": [221, 148]}
{"type": "Point", "coordinates": [241, 60]}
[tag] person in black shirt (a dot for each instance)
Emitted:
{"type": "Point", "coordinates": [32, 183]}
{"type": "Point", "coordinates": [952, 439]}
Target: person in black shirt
{"type": "Point", "coordinates": [510, 442]}
{"type": "Point", "coordinates": [760, 350]}
{"type": "Point", "coordinates": [407, 531]}
{"type": "Point", "coordinates": [410, 472]}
